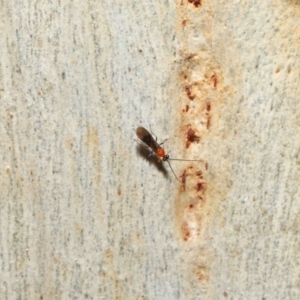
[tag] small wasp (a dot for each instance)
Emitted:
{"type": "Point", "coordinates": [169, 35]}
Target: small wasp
{"type": "Point", "coordinates": [145, 136]}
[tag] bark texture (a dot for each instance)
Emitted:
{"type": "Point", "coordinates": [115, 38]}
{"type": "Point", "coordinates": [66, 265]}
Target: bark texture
{"type": "Point", "coordinates": [85, 213]}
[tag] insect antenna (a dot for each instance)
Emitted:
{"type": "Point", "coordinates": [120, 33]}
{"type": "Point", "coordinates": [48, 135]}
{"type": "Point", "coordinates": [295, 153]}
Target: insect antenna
{"type": "Point", "coordinates": [173, 171]}
{"type": "Point", "coordinates": [184, 159]}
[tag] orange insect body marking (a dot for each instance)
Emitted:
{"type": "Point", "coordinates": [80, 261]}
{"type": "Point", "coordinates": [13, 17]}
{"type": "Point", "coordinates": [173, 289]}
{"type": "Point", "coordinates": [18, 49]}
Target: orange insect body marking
{"type": "Point", "coordinates": [160, 152]}
{"type": "Point", "coordinates": [144, 135]}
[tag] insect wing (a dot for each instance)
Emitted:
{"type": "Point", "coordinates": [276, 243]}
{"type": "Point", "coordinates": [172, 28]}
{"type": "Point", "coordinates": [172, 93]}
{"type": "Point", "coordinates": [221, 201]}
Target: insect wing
{"type": "Point", "coordinates": [145, 136]}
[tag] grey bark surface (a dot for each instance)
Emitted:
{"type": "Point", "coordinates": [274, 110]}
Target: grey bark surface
{"type": "Point", "coordinates": [85, 213]}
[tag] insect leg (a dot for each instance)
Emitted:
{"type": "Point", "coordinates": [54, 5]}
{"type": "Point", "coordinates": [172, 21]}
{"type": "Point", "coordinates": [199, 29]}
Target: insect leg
{"type": "Point", "coordinates": [163, 141]}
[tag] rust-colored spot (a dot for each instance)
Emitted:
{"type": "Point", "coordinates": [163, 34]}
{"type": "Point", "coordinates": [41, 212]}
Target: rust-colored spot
{"type": "Point", "coordinates": [199, 174]}
{"type": "Point", "coordinates": [206, 166]}
{"type": "Point", "coordinates": [186, 109]}
{"type": "Point", "coordinates": [119, 192]}
{"type": "Point", "coordinates": [277, 70]}
{"type": "Point", "coordinates": [214, 81]}
{"type": "Point", "coordinates": [184, 22]}
{"type": "Point", "coordinates": [208, 107]}
{"type": "Point", "coordinates": [195, 2]}
{"type": "Point", "coordinates": [184, 75]}
{"type": "Point", "coordinates": [129, 70]}
{"type": "Point", "coordinates": [11, 115]}
{"type": "Point", "coordinates": [190, 56]}
{"type": "Point", "coordinates": [200, 186]}
{"type": "Point", "coordinates": [7, 169]}
{"type": "Point", "coordinates": [202, 274]}
{"type": "Point", "coordinates": [191, 137]}
{"type": "Point", "coordinates": [140, 50]}
{"type": "Point", "coordinates": [189, 93]}
{"type": "Point", "coordinates": [185, 231]}
{"type": "Point", "coordinates": [191, 206]}
{"type": "Point", "coordinates": [201, 199]}
{"type": "Point", "coordinates": [183, 179]}
{"type": "Point", "coordinates": [225, 294]}
{"type": "Point", "coordinates": [39, 93]}
{"type": "Point", "coordinates": [208, 122]}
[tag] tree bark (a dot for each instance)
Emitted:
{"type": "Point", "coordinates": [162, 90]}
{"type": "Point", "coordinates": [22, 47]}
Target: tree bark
{"type": "Point", "coordinates": [85, 213]}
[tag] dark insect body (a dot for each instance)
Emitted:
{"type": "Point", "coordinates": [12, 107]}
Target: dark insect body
{"type": "Point", "coordinates": [146, 137]}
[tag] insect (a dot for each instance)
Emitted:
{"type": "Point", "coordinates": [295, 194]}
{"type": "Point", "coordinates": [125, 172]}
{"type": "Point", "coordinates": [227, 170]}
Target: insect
{"type": "Point", "coordinates": [146, 137]}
